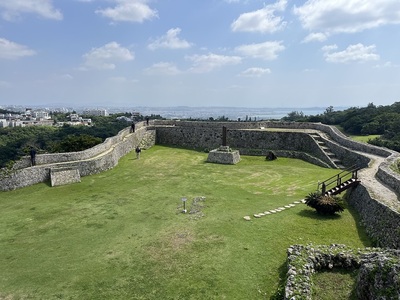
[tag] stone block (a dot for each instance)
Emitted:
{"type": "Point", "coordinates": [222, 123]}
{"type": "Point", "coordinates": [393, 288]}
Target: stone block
{"type": "Point", "coordinates": [62, 176]}
{"type": "Point", "coordinates": [224, 155]}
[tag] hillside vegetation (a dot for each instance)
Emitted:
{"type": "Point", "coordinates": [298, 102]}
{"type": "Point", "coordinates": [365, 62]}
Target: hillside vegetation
{"type": "Point", "coordinates": [383, 121]}
{"type": "Point", "coordinates": [15, 142]}
{"type": "Point", "coordinates": [121, 234]}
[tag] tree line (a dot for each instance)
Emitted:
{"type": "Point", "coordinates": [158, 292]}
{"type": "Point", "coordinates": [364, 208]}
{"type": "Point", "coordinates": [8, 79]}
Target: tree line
{"type": "Point", "coordinates": [383, 121]}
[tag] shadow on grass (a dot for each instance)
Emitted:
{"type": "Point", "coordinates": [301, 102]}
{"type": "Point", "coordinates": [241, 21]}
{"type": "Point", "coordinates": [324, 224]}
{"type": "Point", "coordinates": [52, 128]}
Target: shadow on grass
{"type": "Point", "coordinates": [362, 233]}
{"type": "Point", "coordinates": [308, 213]}
{"type": "Point", "coordinates": [279, 294]}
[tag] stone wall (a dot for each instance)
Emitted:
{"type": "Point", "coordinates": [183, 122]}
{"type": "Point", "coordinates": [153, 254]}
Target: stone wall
{"type": "Point", "coordinates": [247, 141]}
{"type": "Point", "coordinates": [305, 261]}
{"type": "Point", "coordinates": [51, 158]}
{"type": "Point", "coordinates": [208, 135]}
{"type": "Point", "coordinates": [380, 221]}
{"type": "Point", "coordinates": [102, 157]}
{"type": "Point", "coordinates": [62, 176]}
{"type": "Point", "coordinates": [387, 175]}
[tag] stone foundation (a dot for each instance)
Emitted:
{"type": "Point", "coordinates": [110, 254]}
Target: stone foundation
{"type": "Point", "coordinates": [61, 176]}
{"type": "Point", "coordinates": [224, 155]}
{"type": "Point", "coordinates": [304, 261]}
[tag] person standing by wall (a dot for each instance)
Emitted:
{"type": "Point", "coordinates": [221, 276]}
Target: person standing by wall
{"type": "Point", "coordinates": [138, 151]}
{"type": "Point", "coordinates": [32, 153]}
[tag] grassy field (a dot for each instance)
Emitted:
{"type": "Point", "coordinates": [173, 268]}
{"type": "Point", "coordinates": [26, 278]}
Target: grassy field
{"type": "Point", "coordinates": [121, 234]}
{"type": "Point", "coordinates": [364, 138]}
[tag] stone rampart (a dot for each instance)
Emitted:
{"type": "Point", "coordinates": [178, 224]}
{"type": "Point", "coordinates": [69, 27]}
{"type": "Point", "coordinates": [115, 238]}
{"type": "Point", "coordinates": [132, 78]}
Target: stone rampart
{"type": "Point", "coordinates": [250, 139]}
{"type": "Point", "coordinates": [207, 135]}
{"type": "Point", "coordinates": [51, 158]}
{"type": "Point", "coordinates": [380, 221]}
{"type": "Point", "coordinates": [102, 157]}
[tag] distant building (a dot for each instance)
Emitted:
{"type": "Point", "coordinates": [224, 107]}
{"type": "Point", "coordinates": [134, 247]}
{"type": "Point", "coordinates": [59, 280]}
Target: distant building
{"type": "Point", "coordinates": [74, 118]}
{"type": "Point", "coordinates": [41, 114]}
{"type": "Point", "coordinates": [96, 112]}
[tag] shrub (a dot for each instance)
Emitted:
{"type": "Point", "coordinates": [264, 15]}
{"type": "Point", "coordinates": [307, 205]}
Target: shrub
{"type": "Point", "coordinates": [323, 204]}
{"type": "Point", "coordinates": [312, 199]}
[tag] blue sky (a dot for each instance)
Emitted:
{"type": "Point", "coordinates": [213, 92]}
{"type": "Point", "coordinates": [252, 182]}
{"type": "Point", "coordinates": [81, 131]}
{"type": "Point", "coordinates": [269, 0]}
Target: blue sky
{"type": "Point", "coordinates": [243, 53]}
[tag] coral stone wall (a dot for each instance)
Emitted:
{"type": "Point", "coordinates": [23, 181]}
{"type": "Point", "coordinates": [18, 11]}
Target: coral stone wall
{"type": "Point", "coordinates": [102, 157]}
{"type": "Point", "coordinates": [61, 176]}
{"type": "Point", "coordinates": [208, 135]}
{"type": "Point", "coordinates": [380, 221]}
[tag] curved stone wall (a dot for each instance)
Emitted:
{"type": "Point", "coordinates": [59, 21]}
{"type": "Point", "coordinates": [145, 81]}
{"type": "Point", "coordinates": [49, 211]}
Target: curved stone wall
{"type": "Point", "coordinates": [208, 135]}
{"type": "Point", "coordinates": [95, 160]}
{"type": "Point", "coordinates": [380, 221]}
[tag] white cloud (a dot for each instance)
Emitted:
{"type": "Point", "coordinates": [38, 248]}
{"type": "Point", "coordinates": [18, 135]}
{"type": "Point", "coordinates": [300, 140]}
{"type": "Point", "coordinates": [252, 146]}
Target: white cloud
{"type": "Point", "coordinates": [353, 53]}
{"type": "Point", "coordinates": [338, 16]}
{"type": "Point", "coordinates": [11, 50]}
{"type": "Point", "coordinates": [121, 80]}
{"type": "Point", "coordinates": [67, 76]}
{"type": "Point", "coordinates": [209, 62]}
{"type": "Point", "coordinates": [267, 50]}
{"type": "Point", "coordinates": [4, 84]}
{"type": "Point", "coordinates": [129, 11]}
{"type": "Point", "coordinates": [163, 68]}
{"type": "Point", "coordinates": [262, 20]}
{"type": "Point", "coordinates": [170, 40]}
{"type": "Point", "coordinates": [106, 57]}
{"type": "Point", "coordinates": [12, 9]}
{"type": "Point", "coordinates": [315, 37]}
{"type": "Point", "coordinates": [387, 64]}
{"type": "Point", "coordinates": [255, 72]}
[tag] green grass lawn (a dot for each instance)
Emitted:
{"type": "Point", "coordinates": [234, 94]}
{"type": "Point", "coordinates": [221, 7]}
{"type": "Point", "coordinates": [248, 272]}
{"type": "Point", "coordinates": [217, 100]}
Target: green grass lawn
{"type": "Point", "coordinates": [121, 234]}
{"type": "Point", "coordinates": [364, 138]}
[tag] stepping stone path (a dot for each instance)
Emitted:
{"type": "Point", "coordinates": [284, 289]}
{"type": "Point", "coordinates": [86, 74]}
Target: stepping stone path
{"type": "Point", "coordinates": [274, 211]}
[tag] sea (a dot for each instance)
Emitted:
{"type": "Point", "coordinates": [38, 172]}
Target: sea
{"type": "Point", "coordinates": [188, 112]}
{"type": "Point", "coordinates": [231, 113]}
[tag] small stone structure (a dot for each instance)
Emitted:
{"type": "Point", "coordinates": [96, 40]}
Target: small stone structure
{"type": "Point", "coordinates": [61, 176]}
{"type": "Point", "coordinates": [224, 155]}
{"type": "Point", "coordinates": [304, 261]}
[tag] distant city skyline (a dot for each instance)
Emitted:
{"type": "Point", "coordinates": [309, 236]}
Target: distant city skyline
{"type": "Point", "coordinates": [209, 53]}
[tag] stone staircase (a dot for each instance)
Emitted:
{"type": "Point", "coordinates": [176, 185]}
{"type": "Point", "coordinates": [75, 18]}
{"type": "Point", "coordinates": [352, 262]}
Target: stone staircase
{"type": "Point", "coordinates": [320, 141]}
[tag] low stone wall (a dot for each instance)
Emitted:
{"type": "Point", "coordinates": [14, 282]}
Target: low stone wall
{"type": "Point", "coordinates": [304, 261]}
{"type": "Point", "coordinates": [100, 161]}
{"type": "Point", "coordinates": [62, 176]}
{"type": "Point", "coordinates": [380, 221]}
{"type": "Point", "coordinates": [387, 175]}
